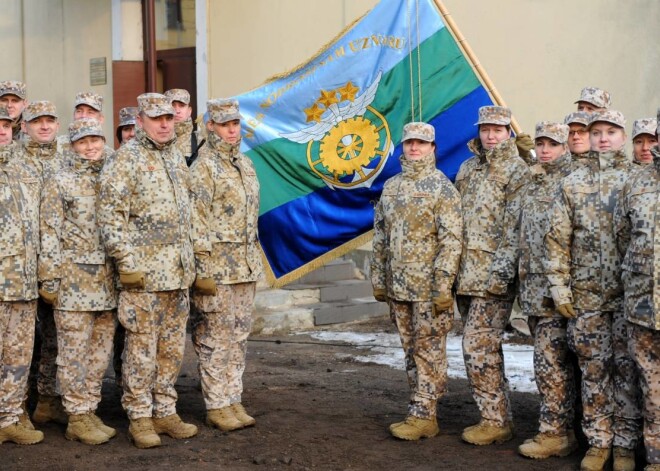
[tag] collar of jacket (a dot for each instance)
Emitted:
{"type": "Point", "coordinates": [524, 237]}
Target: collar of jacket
{"type": "Point", "coordinates": [224, 149]}
{"type": "Point", "coordinates": [559, 164]}
{"type": "Point", "coordinates": [7, 152]}
{"type": "Point", "coordinates": [610, 159]}
{"type": "Point", "coordinates": [82, 165]}
{"type": "Point", "coordinates": [183, 127]}
{"type": "Point", "coordinates": [502, 151]}
{"type": "Point", "coordinates": [416, 169]}
{"type": "Point", "coordinates": [148, 142]}
{"type": "Point", "coordinates": [41, 151]}
{"type": "Point", "coordinates": [655, 151]}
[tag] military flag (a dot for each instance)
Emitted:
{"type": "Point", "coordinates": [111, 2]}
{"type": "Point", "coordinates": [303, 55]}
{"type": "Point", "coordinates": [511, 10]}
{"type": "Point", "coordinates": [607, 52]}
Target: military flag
{"type": "Point", "coordinates": [326, 136]}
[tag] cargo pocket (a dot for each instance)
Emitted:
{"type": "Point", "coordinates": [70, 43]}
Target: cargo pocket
{"type": "Point", "coordinates": [135, 311]}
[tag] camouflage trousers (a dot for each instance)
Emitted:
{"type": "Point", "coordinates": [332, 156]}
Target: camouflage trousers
{"type": "Point", "coordinates": [590, 337]}
{"type": "Point", "coordinates": [221, 327]}
{"type": "Point", "coordinates": [84, 344]}
{"type": "Point", "coordinates": [17, 320]}
{"type": "Point", "coordinates": [423, 334]}
{"type": "Point", "coordinates": [645, 349]}
{"type": "Point", "coordinates": [484, 360]}
{"type": "Point", "coordinates": [553, 372]}
{"type": "Point", "coordinates": [47, 376]}
{"type": "Point", "coordinates": [155, 326]}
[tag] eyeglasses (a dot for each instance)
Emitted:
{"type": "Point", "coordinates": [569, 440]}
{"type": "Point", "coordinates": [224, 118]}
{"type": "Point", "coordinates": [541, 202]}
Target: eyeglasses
{"type": "Point", "coordinates": [580, 132]}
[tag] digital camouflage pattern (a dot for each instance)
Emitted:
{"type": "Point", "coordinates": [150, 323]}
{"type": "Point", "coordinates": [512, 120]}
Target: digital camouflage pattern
{"type": "Point", "coordinates": [4, 114]}
{"type": "Point", "coordinates": [595, 96]}
{"type": "Point", "coordinates": [84, 127]}
{"type": "Point", "coordinates": [225, 193]}
{"type": "Point", "coordinates": [556, 131]}
{"type": "Point", "coordinates": [499, 115]}
{"type": "Point", "coordinates": [90, 99]}
{"type": "Point", "coordinates": [43, 159]}
{"type": "Point", "coordinates": [608, 116]}
{"type": "Point", "coordinates": [36, 109]}
{"type": "Point", "coordinates": [178, 94]}
{"type": "Point", "coordinates": [578, 117]}
{"type": "Point", "coordinates": [154, 105]}
{"type": "Point", "coordinates": [128, 116]}
{"type": "Point", "coordinates": [13, 87]}
{"type": "Point", "coordinates": [222, 110]}
{"type": "Point", "coordinates": [421, 131]}
{"type": "Point", "coordinates": [183, 130]}
{"type": "Point", "coordinates": [644, 126]}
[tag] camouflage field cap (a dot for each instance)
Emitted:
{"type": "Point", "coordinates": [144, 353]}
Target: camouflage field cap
{"type": "Point", "coordinates": [608, 116]}
{"type": "Point", "coordinates": [178, 94]}
{"type": "Point", "coordinates": [90, 99]}
{"type": "Point", "coordinates": [417, 130]}
{"type": "Point", "coordinates": [644, 126]}
{"type": "Point", "coordinates": [595, 96]}
{"type": "Point", "coordinates": [128, 116]}
{"type": "Point", "coordinates": [223, 110]}
{"type": "Point", "coordinates": [39, 108]}
{"type": "Point", "coordinates": [84, 127]}
{"type": "Point", "coordinates": [499, 115]}
{"type": "Point", "coordinates": [13, 87]}
{"type": "Point", "coordinates": [578, 117]}
{"type": "Point", "coordinates": [4, 114]}
{"type": "Point", "coordinates": [154, 105]}
{"type": "Point", "coordinates": [558, 132]}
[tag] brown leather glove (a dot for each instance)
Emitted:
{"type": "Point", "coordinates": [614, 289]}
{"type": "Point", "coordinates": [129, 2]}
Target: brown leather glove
{"type": "Point", "coordinates": [132, 280]}
{"type": "Point", "coordinates": [205, 286]}
{"type": "Point", "coordinates": [380, 294]}
{"type": "Point", "coordinates": [443, 302]}
{"type": "Point", "coordinates": [566, 310]}
{"type": "Point", "coordinates": [49, 297]}
{"type": "Point", "coordinates": [524, 142]}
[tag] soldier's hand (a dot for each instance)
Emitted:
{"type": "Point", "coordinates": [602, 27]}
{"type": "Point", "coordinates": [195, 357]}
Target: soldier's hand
{"type": "Point", "coordinates": [205, 286]}
{"type": "Point", "coordinates": [380, 294]}
{"type": "Point", "coordinates": [443, 302]}
{"type": "Point", "coordinates": [524, 142]}
{"type": "Point", "coordinates": [132, 280]}
{"type": "Point", "coordinates": [566, 310]}
{"type": "Point", "coordinates": [49, 297]}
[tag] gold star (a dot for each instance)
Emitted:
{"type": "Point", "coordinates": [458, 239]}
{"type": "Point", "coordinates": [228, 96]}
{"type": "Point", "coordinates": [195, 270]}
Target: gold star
{"type": "Point", "coordinates": [314, 113]}
{"type": "Point", "coordinates": [347, 92]}
{"type": "Point", "coordinates": [328, 98]}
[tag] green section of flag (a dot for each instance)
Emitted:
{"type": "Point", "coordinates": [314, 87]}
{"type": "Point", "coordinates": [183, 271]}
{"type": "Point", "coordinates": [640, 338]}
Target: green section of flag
{"type": "Point", "coordinates": [446, 77]}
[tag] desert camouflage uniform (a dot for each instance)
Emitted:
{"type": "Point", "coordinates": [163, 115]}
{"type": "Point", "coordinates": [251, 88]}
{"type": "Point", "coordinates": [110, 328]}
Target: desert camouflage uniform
{"type": "Point", "coordinates": [225, 193]}
{"type": "Point", "coordinates": [19, 245]}
{"type": "Point", "coordinates": [73, 263]}
{"type": "Point", "coordinates": [636, 221]}
{"type": "Point", "coordinates": [491, 184]}
{"type": "Point", "coordinates": [643, 126]}
{"type": "Point", "coordinates": [584, 268]}
{"type": "Point", "coordinates": [417, 246]}
{"type": "Point", "coordinates": [183, 131]}
{"type": "Point", "coordinates": [145, 219]}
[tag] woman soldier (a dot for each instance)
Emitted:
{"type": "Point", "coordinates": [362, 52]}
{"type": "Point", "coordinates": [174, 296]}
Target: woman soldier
{"type": "Point", "coordinates": [644, 139]}
{"type": "Point", "coordinates": [417, 245]}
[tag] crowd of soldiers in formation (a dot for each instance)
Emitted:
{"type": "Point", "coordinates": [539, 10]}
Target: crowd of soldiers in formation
{"type": "Point", "coordinates": [103, 243]}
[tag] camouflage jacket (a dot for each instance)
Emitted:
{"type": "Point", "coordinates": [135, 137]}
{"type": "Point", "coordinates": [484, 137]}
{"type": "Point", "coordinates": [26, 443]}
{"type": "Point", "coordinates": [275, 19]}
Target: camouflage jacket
{"type": "Point", "coordinates": [43, 158]}
{"type": "Point", "coordinates": [72, 260]}
{"type": "Point", "coordinates": [225, 194]}
{"type": "Point", "coordinates": [581, 260]}
{"type": "Point", "coordinates": [183, 132]}
{"type": "Point", "coordinates": [64, 148]}
{"type": "Point", "coordinates": [20, 187]}
{"type": "Point", "coordinates": [417, 233]}
{"type": "Point", "coordinates": [145, 215]}
{"type": "Point", "coordinates": [491, 185]}
{"type": "Point", "coordinates": [636, 222]}
{"type": "Point", "coordinates": [540, 193]}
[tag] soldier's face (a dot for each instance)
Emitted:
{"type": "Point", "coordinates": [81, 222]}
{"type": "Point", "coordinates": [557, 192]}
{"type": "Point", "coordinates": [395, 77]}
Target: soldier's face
{"type": "Point", "coordinates": [13, 104]}
{"type": "Point", "coordinates": [42, 129]}
{"type": "Point", "coordinates": [606, 137]}
{"type": "Point", "coordinates": [127, 133]}
{"type": "Point", "coordinates": [642, 145]}
{"type": "Point", "coordinates": [89, 147]}
{"type": "Point", "coordinates": [5, 132]}
{"type": "Point", "coordinates": [160, 128]}
{"type": "Point", "coordinates": [492, 134]}
{"type": "Point", "coordinates": [588, 107]}
{"type": "Point", "coordinates": [229, 132]}
{"type": "Point", "coordinates": [181, 111]}
{"type": "Point", "coordinates": [86, 111]}
{"type": "Point", "coordinates": [415, 149]}
{"type": "Point", "coordinates": [578, 138]}
{"type": "Point", "coordinates": [548, 149]}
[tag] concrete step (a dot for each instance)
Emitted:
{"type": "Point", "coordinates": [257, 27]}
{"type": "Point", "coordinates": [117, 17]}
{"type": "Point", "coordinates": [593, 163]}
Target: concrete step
{"type": "Point", "coordinates": [334, 290]}
{"type": "Point", "coordinates": [348, 310]}
{"type": "Point", "coordinates": [335, 270]}
{"type": "Point", "coordinates": [274, 298]}
{"type": "Point", "coordinates": [282, 320]}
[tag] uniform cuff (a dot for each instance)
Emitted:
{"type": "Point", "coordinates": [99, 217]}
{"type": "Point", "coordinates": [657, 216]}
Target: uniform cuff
{"type": "Point", "coordinates": [561, 295]}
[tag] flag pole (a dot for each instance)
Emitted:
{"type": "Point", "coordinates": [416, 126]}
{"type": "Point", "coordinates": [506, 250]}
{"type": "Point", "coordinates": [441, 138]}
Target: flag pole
{"type": "Point", "coordinates": [474, 62]}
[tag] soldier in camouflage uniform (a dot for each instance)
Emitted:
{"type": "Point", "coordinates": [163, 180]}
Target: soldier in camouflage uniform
{"type": "Point", "coordinates": [19, 245]}
{"type": "Point", "coordinates": [186, 139]}
{"type": "Point", "coordinates": [417, 246]}
{"type": "Point", "coordinates": [593, 100]}
{"type": "Point", "coordinates": [578, 136]}
{"type": "Point", "coordinates": [85, 105]}
{"type": "Point", "coordinates": [636, 222]}
{"type": "Point", "coordinates": [225, 193]}
{"type": "Point", "coordinates": [644, 139]}
{"type": "Point", "coordinates": [126, 127]}
{"type": "Point", "coordinates": [552, 367]}
{"type": "Point", "coordinates": [490, 184]}
{"type": "Point", "coordinates": [584, 269]}
{"type": "Point", "coordinates": [13, 96]}
{"type": "Point", "coordinates": [145, 218]}
{"type": "Point", "coordinates": [77, 279]}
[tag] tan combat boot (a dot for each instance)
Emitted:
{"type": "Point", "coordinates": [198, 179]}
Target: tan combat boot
{"type": "Point", "coordinates": [595, 459]}
{"type": "Point", "coordinates": [21, 435]}
{"type": "Point", "coordinates": [624, 459]}
{"type": "Point", "coordinates": [242, 416]}
{"type": "Point", "coordinates": [545, 445]}
{"type": "Point", "coordinates": [415, 428]}
{"type": "Point", "coordinates": [24, 418]}
{"type": "Point", "coordinates": [98, 423]}
{"type": "Point", "coordinates": [396, 425]}
{"type": "Point", "coordinates": [82, 428]}
{"type": "Point", "coordinates": [141, 432]}
{"type": "Point", "coordinates": [49, 408]}
{"type": "Point", "coordinates": [223, 419]}
{"type": "Point", "coordinates": [652, 467]}
{"type": "Point", "coordinates": [485, 434]}
{"type": "Point", "coordinates": [173, 426]}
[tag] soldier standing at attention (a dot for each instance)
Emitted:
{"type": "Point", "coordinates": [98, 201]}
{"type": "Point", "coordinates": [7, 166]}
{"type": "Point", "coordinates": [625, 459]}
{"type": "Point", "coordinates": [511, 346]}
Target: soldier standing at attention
{"type": "Point", "coordinates": [553, 369]}
{"type": "Point", "coordinates": [584, 269]}
{"type": "Point", "coordinates": [19, 244]}
{"type": "Point", "coordinates": [13, 96]}
{"type": "Point", "coordinates": [578, 136]}
{"type": "Point", "coordinates": [593, 100]}
{"type": "Point", "coordinates": [418, 229]}
{"type": "Point", "coordinates": [77, 279]}
{"type": "Point", "coordinates": [644, 139]}
{"type": "Point", "coordinates": [186, 140]}
{"type": "Point", "coordinates": [490, 184]}
{"type": "Point", "coordinates": [225, 193]}
{"type": "Point", "coordinates": [636, 222]}
{"type": "Point", "coordinates": [145, 219]}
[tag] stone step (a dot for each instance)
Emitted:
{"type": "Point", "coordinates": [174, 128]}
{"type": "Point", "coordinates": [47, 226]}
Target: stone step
{"type": "Point", "coordinates": [334, 290]}
{"type": "Point", "coordinates": [275, 298]}
{"type": "Point", "coordinates": [282, 320]}
{"type": "Point", "coordinates": [335, 270]}
{"type": "Point", "coordinates": [349, 310]}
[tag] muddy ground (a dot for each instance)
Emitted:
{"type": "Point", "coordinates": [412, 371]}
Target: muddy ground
{"type": "Point", "coordinates": [315, 409]}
